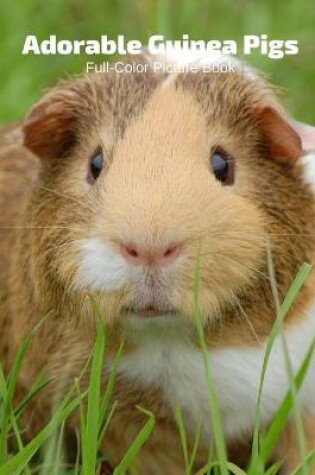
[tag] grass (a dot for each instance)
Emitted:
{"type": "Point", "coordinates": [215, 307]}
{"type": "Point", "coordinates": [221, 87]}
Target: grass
{"type": "Point", "coordinates": [96, 407]}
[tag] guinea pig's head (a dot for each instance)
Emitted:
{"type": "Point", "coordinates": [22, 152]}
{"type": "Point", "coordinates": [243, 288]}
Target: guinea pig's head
{"type": "Point", "coordinates": [150, 183]}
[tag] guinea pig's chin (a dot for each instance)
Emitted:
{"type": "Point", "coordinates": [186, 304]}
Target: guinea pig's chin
{"type": "Point", "coordinates": [163, 307]}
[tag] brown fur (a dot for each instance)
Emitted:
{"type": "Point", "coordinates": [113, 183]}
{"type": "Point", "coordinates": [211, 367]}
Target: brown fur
{"type": "Point", "coordinates": [157, 188]}
{"type": "Point", "coordinates": [289, 450]}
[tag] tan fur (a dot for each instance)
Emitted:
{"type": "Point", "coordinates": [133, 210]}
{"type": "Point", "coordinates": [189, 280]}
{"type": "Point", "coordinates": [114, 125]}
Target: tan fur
{"type": "Point", "coordinates": [157, 188]}
{"type": "Point", "coordinates": [289, 448]}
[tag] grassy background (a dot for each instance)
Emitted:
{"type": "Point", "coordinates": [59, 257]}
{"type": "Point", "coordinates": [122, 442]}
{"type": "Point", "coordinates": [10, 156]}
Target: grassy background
{"type": "Point", "coordinates": [23, 79]}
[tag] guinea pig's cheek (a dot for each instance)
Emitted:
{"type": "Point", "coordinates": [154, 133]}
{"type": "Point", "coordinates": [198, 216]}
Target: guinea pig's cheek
{"type": "Point", "coordinates": [232, 249]}
{"type": "Point", "coordinates": [99, 268]}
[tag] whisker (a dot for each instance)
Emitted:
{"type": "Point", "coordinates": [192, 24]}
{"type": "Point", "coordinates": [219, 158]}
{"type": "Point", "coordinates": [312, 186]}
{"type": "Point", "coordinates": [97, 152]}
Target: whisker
{"type": "Point", "coordinates": [62, 195]}
{"type": "Point", "coordinates": [105, 228]}
{"type": "Point", "coordinates": [72, 228]}
{"type": "Point", "coordinates": [58, 193]}
{"type": "Point", "coordinates": [239, 264]}
{"type": "Point", "coordinates": [251, 233]}
{"type": "Point", "coordinates": [272, 278]}
{"type": "Point", "coordinates": [238, 303]}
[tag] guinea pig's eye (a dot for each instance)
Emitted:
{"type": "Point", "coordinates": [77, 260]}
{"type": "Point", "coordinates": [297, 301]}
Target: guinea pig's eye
{"type": "Point", "coordinates": [222, 166]}
{"type": "Point", "coordinates": [95, 166]}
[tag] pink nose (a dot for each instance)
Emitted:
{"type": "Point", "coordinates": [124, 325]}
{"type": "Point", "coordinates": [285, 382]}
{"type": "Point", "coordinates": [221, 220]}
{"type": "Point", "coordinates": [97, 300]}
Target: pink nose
{"type": "Point", "coordinates": [140, 256]}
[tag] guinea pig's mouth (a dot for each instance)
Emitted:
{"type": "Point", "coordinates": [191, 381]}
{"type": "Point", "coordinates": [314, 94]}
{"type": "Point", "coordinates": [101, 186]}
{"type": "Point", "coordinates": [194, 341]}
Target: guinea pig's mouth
{"type": "Point", "coordinates": [149, 311]}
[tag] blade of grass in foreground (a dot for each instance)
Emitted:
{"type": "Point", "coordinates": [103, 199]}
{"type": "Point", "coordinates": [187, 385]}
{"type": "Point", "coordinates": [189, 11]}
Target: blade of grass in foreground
{"type": "Point", "coordinates": [78, 454]}
{"type": "Point", "coordinates": [189, 461]}
{"type": "Point", "coordinates": [310, 459]}
{"type": "Point", "coordinates": [183, 438]}
{"type": "Point", "coordinates": [213, 465]}
{"type": "Point", "coordinates": [11, 384]}
{"type": "Point", "coordinates": [19, 461]}
{"type": "Point", "coordinates": [133, 450]}
{"type": "Point", "coordinates": [278, 423]}
{"type": "Point", "coordinates": [53, 454]}
{"type": "Point", "coordinates": [35, 389]}
{"type": "Point", "coordinates": [214, 412]}
{"type": "Point", "coordinates": [52, 446]}
{"type": "Point", "coordinates": [103, 402]}
{"type": "Point", "coordinates": [107, 423]}
{"type": "Point", "coordinates": [110, 386]}
{"type": "Point", "coordinates": [274, 469]}
{"type": "Point", "coordinates": [91, 429]}
{"type": "Point", "coordinates": [196, 444]}
{"type": "Point", "coordinates": [16, 430]}
{"type": "Point", "coordinates": [296, 407]}
{"type": "Point", "coordinates": [285, 307]}
{"type": "Point", "coordinates": [3, 393]}
{"type": "Point", "coordinates": [59, 451]}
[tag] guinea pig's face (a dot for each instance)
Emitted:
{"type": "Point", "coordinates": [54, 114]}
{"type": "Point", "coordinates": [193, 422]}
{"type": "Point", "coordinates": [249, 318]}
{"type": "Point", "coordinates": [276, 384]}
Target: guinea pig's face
{"type": "Point", "coordinates": [157, 184]}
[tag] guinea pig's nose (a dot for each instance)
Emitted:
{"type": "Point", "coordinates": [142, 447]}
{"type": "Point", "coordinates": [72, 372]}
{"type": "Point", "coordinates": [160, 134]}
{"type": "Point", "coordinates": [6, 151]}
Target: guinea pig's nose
{"type": "Point", "coordinates": [145, 256]}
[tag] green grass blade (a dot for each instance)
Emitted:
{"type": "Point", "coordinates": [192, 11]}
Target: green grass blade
{"type": "Point", "coordinates": [91, 430]}
{"type": "Point", "coordinates": [277, 425]}
{"type": "Point", "coordinates": [133, 450]}
{"type": "Point", "coordinates": [59, 451]}
{"type": "Point", "coordinates": [106, 425]}
{"type": "Point", "coordinates": [196, 444]}
{"type": "Point", "coordinates": [14, 375]}
{"type": "Point", "coordinates": [285, 307]}
{"type": "Point", "coordinates": [189, 461]}
{"type": "Point", "coordinates": [216, 465]}
{"type": "Point", "coordinates": [183, 438]}
{"type": "Point", "coordinates": [110, 385]}
{"type": "Point", "coordinates": [26, 470]}
{"type": "Point", "coordinates": [274, 469]}
{"type": "Point", "coordinates": [3, 394]}
{"type": "Point", "coordinates": [310, 459]}
{"type": "Point", "coordinates": [53, 453]}
{"type": "Point", "coordinates": [214, 412]}
{"type": "Point", "coordinates": [77, 465]}
{"type": "Point", "coordinates": [296, 409]}
{"type": "Point", "coordinates": [31, 395]}
{"type": "Point", "coordinates": [11, 384]}
{"type": "Point", "coordinates": [19, 461]}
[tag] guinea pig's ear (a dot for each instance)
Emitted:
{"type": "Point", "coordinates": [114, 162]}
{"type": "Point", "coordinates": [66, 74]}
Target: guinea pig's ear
{"type": "Point", "coordinates": [284, 141]}
{"type": "Point", "coordinates": [50, 130]}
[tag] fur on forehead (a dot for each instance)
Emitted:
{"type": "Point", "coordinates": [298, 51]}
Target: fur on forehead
{"type": "Point", "coordinates": [238, 99]}
{"type": "Point", "coordinates": [64, 115]}
{"type": "Point", "coordinates": [242, 99]}
{"type": "Point", "coordinates": [247, 106]}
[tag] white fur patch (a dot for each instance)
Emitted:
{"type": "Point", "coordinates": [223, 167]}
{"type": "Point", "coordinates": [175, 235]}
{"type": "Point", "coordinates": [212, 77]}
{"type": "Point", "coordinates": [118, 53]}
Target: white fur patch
{"type": "Point", "coordinates": [184, 58]}
{"type": "Point", "coordinates": [308, 163]}
{"type": "Point", "coordinates": [100, 268]}
{"type": "Point", "coordinates": [165, 359]}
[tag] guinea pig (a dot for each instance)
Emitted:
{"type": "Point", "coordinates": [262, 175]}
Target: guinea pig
{"type": "Point", "coordinates": [117, 186]}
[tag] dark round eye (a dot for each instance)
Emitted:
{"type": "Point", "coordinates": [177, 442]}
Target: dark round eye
{"type": "Point", "coordinates": [222, 166]}
{"type": "Point", "coordinates": [95, 167]}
